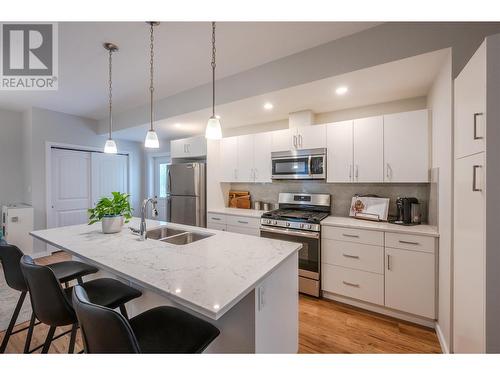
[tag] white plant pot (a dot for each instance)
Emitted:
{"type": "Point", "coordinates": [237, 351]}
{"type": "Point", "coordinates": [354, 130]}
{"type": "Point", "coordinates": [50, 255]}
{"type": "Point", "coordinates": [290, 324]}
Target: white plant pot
{"type": "Point", "coordinates": [112, 224]}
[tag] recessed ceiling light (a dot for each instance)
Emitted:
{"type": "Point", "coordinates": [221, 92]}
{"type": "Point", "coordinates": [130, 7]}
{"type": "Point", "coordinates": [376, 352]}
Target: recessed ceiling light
{"type": "Point", "coordinates": [341, 90]}
{"type": "Point", "coordinates": [177, 125]}
{"type": "Point", "coordinates": [216, 307]}
{"type": "Point", "coordinates": [177, 290]}
{"type": "Point", "coordinates": [268, 106]}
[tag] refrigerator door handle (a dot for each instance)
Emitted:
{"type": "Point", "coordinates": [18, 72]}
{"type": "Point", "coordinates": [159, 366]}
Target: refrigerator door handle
{"type": "Point", "coordinates": [169, 181]}
{"type": "Point", "coordinates": [169, 208]}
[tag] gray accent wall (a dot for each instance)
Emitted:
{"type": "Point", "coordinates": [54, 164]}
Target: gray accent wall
{"type": "Point", "coordinates": [341, 194]}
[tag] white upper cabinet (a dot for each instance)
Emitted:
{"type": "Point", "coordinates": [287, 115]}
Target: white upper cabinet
{"type": "Point", "coordinates": [193, 147]}
{"type": "Point", "coordinates": [262, 157]}
{"type": "Point", "coordinates": [470, 106]}
{"type": "Point", "coordinates": [368, 149]}
{"type": "Point", "coordinates": [281, 140]}
{"type": "Point", "coordinates": [245, 155]}
{"type": "Point", "coordinates": [406, 147]}
{"type": "Point", "coordinates": [306, 137]}
{"type": "Point", "coordinates": [229, 159]}
{"type": "Point", "coordinates": [340, 152]}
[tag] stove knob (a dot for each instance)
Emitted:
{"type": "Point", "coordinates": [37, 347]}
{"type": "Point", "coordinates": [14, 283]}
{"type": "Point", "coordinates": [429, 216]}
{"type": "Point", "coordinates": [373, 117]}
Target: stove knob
{"type": "Point", "coordinates": [301, 226]}
{"type": "Point", "coordinates": [275, 222]}
{"type": "Point", "coordinates": [287, 224]}
{"type": "Point", "coordinates": [309, 226]}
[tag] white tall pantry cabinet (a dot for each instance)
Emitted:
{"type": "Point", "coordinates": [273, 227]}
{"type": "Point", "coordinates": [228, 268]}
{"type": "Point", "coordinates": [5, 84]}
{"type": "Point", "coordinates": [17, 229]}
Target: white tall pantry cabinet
{"type": "Point", "coordinates": [476, 254]}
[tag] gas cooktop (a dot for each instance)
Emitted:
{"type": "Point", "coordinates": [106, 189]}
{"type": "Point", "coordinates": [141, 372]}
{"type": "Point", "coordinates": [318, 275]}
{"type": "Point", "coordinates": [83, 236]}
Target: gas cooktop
{"type": "Point", "coordinates": [295, 215]}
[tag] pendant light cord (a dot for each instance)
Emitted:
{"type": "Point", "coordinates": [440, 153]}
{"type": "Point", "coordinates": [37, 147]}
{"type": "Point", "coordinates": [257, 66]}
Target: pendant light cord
{"type": "Point", "coordinates": [110, 92]}
{"type": "Point", "coordinates": [151, 71]}
{"type": "Point", "coordinates": [213, 69]}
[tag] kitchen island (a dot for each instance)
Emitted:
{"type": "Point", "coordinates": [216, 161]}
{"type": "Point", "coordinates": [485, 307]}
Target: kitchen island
{"type": "Point", "coordinates": [246, 286]}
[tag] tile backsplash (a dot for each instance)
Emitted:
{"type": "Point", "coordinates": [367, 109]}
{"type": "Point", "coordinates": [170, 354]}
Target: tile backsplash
{"type": "Point", "coordinates": [341, 193]}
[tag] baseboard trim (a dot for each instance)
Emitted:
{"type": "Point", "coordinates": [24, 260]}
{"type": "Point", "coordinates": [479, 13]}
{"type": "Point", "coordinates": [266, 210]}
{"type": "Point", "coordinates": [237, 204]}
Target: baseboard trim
{"type": "Point", "coordinates": [444, 345]}
{"type": "Point", "coordinates": [381, 310]}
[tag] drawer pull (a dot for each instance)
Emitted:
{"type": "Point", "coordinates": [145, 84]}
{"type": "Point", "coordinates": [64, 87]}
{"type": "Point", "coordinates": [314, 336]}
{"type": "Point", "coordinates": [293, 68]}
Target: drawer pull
{"type": "Point", "coordinates": [215, 218]}
{"type": "Point", "coordinates": [350, 284]}
{"type": "Point", "coordinates": [351, 256]}
{"type": "Point", "coordinates": [476, 115]}
{"type": "Point", "coordinates": [409, 242]}
{"type": "Point", "coordinates": [242, 222]}
{"type": "Point", "coordinates": [350, 235]}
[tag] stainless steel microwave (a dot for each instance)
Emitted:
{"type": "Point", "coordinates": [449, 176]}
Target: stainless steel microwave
{"type": "Point", "coordinates": [299, 164]}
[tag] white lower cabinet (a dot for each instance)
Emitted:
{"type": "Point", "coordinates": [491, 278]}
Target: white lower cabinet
{"type": "Point", "coordinates": [410, 282]}
{"type": "Point", "coordinates": [232, 223]}
{"type": "Point", "coordinates": [365, 286]}
{"type": "Point", "coordinates": [394, 270]}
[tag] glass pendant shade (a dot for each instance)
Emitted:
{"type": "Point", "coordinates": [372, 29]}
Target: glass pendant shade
{"type": "Point", "coordinates": [151, 140]}
{"type": "Point", "coordinates": [213, 130]}
{"type": "Point", "coordinates": [110, 147]}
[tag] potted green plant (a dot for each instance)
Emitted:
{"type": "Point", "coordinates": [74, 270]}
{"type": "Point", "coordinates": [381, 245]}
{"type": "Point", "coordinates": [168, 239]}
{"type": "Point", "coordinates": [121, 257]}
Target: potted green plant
{"type": "Point", "coordinates": [112, 212]}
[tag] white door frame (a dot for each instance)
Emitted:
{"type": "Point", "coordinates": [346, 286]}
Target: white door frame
{"type": "Point", "coordinates": [150, 161]}
{"type": "Point", "coordinates": [48, 170]}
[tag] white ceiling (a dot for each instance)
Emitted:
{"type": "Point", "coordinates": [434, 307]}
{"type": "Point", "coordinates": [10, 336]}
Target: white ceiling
{"type": "Point", "coordinates": [407, 78]}
{"type": "Point", "coordinates": [182, 59]}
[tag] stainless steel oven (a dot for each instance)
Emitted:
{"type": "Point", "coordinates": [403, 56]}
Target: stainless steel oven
{"type": "Point", "coordinates": [299, 164]}
{"type": "Point", "coordinates": [309, 255]}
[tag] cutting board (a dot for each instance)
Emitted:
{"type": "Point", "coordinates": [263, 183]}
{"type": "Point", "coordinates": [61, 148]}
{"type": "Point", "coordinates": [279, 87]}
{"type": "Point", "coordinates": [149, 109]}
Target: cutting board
{"type": "Point", "coordinates": [369, 208]}
{"type": "Point", "coordinates": [239, 199]}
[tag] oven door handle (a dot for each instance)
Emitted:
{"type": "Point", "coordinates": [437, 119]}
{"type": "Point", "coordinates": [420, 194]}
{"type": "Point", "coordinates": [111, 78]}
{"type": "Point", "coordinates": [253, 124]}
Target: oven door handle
{"type": "Point", "coordinates": [292, 232]}
{"type": "Point", "coordinates": [309, 162]}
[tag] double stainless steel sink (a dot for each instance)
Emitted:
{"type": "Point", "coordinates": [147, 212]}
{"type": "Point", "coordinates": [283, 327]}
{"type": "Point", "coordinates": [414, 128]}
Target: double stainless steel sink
{"type": "Point", "coordinates": [175, 236]}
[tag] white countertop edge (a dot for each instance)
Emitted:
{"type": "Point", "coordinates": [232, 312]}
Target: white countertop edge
{"type": "Point", "coordinates": [205, 312]}
{"type": "Point", "coordinates": [381, 226]}
{"type": "Point", "coordinates": [240, 212]}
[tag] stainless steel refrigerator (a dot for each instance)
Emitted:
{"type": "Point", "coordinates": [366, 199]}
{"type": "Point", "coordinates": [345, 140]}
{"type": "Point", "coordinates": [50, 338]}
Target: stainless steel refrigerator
{"type": "Point", "coordinates": [186, 194]}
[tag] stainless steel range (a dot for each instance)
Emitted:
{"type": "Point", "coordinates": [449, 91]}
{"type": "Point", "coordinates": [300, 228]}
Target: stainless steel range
{"type": "Point", "coordinates": [298, 220]}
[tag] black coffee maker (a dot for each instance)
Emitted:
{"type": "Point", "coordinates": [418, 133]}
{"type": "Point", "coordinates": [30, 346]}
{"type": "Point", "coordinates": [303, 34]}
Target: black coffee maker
{"type": "Point", "coordinates": [404, 210]}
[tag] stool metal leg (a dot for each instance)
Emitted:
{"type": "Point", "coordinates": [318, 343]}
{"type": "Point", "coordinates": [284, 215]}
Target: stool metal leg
{"type": "Point", "coordinates": [72, 339]}
{"type": "Point", "coordinates": [27, 344]}
{"type": "Point", "coordinates": [79, 280]}
{"type": "Point", "coordinates": [12, 323]}
{"type": "Point", "coordinates": [123, 310]}
{"type": "Point", "coordinates": [48, 340]}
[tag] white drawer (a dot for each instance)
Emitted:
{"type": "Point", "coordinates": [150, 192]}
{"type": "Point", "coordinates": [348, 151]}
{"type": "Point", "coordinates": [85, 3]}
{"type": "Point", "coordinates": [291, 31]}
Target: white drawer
{"type": "Point", "coordinates": [368, 237]}
{"type": "Point", "coordinates": [242, 221]}
{"type": "Point", "coordinates": [216, 218]}
{"type": "Point", "coordinates": [410, 242]}
{"type": "Point", "coordinates": [353, 255]}
{"type": "Point", "coordinates": [244, 230]}
{"type": "Point", "coordinates": [217, 226]}
{"type": "Point", "coordinates": [362, 285]}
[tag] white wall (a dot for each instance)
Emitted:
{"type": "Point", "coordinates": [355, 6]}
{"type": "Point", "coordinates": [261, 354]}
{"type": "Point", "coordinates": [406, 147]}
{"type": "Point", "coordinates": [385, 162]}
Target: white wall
{"type": "Point", "coordinates": [440, 101]}
{"type": "Point", "coordinates": [11, 156]}
{"type": "Point", "coordinates": [49, 126]}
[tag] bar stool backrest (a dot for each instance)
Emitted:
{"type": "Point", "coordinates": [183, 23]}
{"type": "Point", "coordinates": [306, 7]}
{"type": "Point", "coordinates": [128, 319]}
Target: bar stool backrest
{"type": "Point", "coordinates": [104, 330]}
{"type": "Point", "coordinates": [10, 255]}
{"type": "Point", "coordinates": [48, 299]}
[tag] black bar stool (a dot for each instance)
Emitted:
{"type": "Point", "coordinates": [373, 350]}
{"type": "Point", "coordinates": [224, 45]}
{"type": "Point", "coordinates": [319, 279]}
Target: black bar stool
{"type": "Point", "coordinates": [52, 305]}
{"type": "Point", "coordinates": [162, 329]}
{"type": "Point", "coordinates": [10, 257]}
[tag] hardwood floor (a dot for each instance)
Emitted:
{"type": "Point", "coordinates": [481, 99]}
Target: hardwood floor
{"type": "Point", "coordinates": [324, 327]}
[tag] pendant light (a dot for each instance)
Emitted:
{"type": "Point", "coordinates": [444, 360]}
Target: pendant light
{"type": "Point", "coordinates": [151, 137]}
{"type": "Point", "coordinates": [110, 146]}
{"type": "Point", "coordinates": [213, 130]}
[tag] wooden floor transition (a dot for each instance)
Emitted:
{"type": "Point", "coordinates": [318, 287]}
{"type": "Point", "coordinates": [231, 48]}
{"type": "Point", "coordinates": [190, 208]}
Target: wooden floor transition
{"type": "Point", "coordinates": [324, 327]}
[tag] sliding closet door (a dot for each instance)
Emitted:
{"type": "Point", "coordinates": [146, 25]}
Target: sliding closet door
{"type": "Point", "coordinates": [71, 187]}
{"type": "Point", "coordinates": [109, 173]}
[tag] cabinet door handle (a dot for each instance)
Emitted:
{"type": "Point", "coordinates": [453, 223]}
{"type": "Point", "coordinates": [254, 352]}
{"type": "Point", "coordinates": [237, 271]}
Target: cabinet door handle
{"type": "Point", "coordinates": [388, 171]}
{"type": "Point", "coordinates": [242, 222]}
{"type": "Point", "coordinates": [350, 235]}
{"type": "Point", "coordinates": [350, 172]}
{"type": "Point", "coordinates": [388, 262]}
{"type": "Point", "coordinates": [295, 141]}
{"type": "Point", "coordinates": [356, 174]}
{"type": "Point", "coordinates": [215, 218]}
{"type": "Point", "coordinates": [350, 256]}
{"type": "Point", "coordinates": [350, 284]}
{"type": "Point", "coordinates": [474, 178]}
{"type": "Point", "coordinates": [409, 242]}
{"type": "Point", "coordinates": [476, 115]}
{"type": "Point", "coordinates": [300, 140]}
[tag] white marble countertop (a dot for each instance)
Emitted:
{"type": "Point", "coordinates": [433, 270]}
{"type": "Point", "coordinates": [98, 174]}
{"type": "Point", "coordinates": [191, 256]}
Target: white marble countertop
{"type": "Point", "coordinates": [237, 211]}
{"type": "Point", "coordinates": [209, 276]}
{"type": "Point", "coordinates": [349, 222]}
